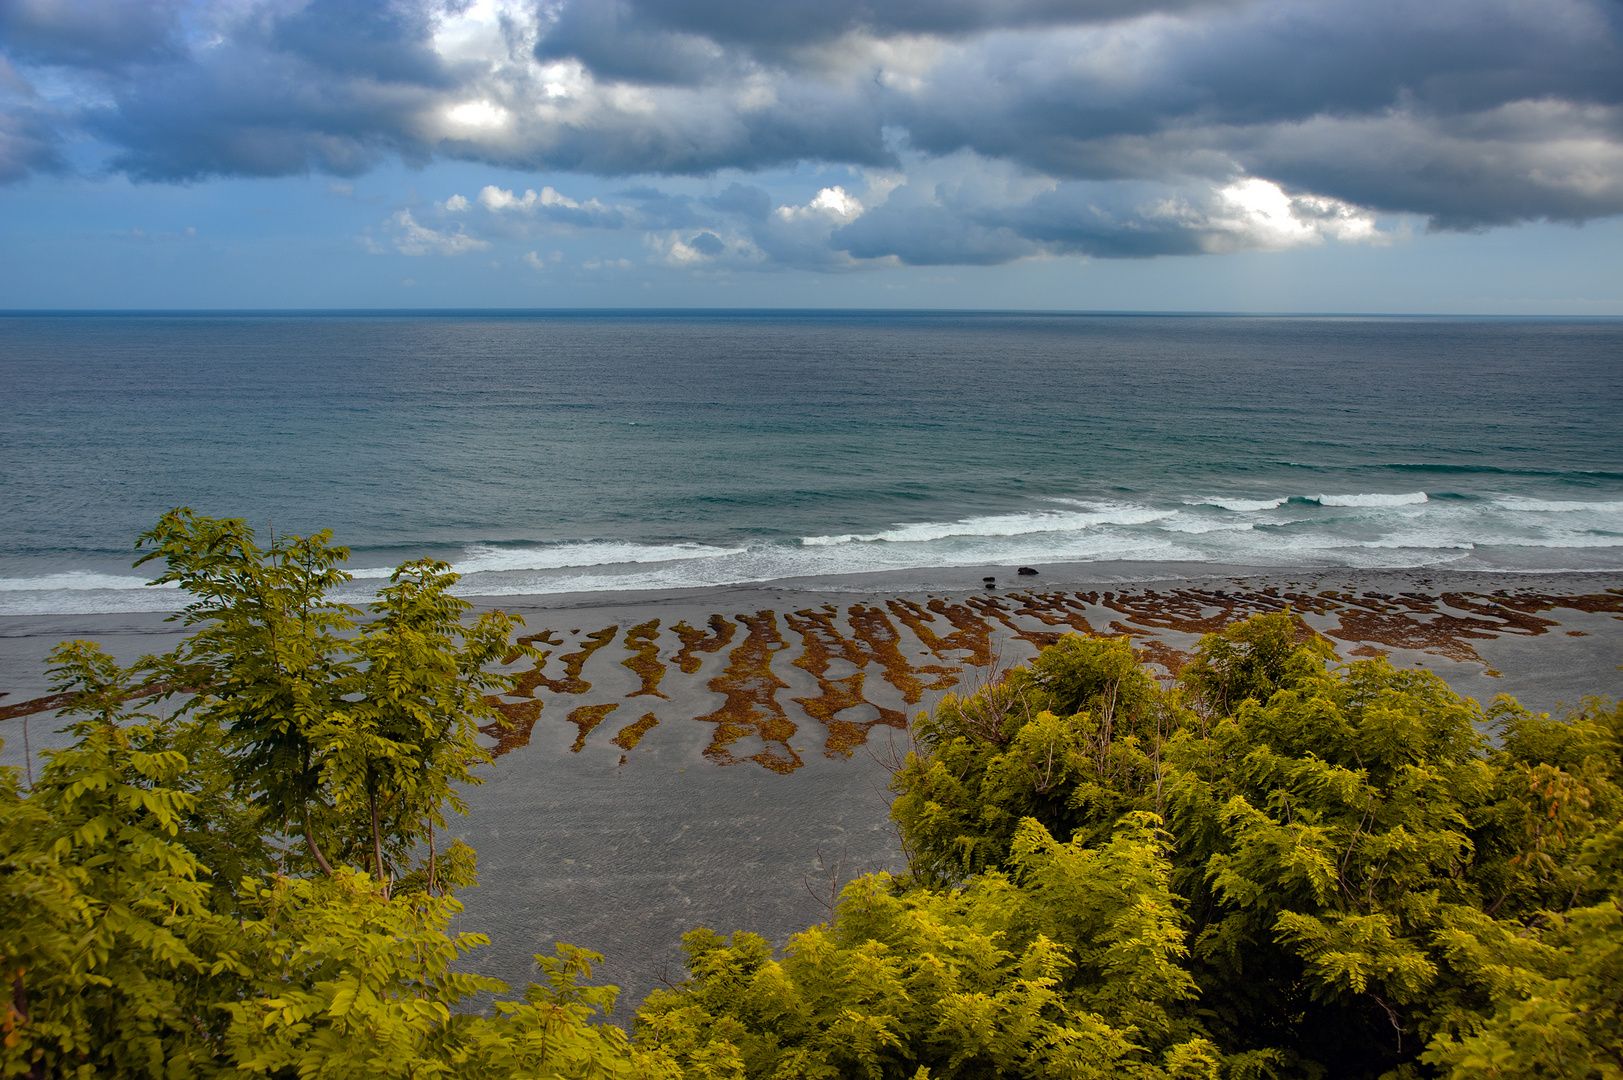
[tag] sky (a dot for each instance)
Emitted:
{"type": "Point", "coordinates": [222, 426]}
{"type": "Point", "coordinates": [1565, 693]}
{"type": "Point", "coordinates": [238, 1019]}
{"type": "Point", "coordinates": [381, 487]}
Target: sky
{"type": "Point", "coordinates": [1454, 156]}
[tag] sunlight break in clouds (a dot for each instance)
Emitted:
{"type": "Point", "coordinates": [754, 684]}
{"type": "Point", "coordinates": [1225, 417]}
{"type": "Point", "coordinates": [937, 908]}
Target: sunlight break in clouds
{"type": "Point", "coordinates": [1255, 214]}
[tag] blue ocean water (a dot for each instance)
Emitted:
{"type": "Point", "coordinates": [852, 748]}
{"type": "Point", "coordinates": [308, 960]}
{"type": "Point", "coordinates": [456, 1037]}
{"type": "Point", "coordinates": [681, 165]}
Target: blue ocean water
{"type": "Point", "coordinates": [547, 452]}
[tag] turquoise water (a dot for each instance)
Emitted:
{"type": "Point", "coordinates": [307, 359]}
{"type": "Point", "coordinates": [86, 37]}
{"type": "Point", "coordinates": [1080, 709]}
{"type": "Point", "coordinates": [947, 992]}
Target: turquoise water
{"type": "Point", "coordinates": [565, 452]}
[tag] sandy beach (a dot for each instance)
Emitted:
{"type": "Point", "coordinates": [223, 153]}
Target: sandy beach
{"type": "Point", "coordinates": [717, 756]}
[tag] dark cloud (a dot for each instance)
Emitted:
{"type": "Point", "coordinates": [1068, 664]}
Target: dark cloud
{"type": "Point", "coordinates": [28, 144]}
{"type": "Point", "coordinates": [342, 38]}
{"type": "Point", "coordinates": [707, 243]}
{"type": "Point", "coordinates": [746, 200]}
{"type": "Point", "coordinates": [29, 140]}
{"type": "Point", "coordinates": [657, 209]}
{"type": "Point", "coordinates": [1196, 86]}
{"type": "Point", "coordinates": [91, 33]}
{"type": "Point", "coordinates": [930, 236]}
{"type": "Point", "coordinates": [615, 43]}
{"type": "Point", "coordinates": [778, 28]}
{"type": "Point", "coordinates": [246, 112]}
{"type": "Point", "coordinates": [1527, 161]}
{"type": "Point", "coordinates": [1471, 113]}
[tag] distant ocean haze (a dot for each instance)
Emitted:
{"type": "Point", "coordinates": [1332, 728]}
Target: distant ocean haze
{"type": "Point", "coordinates": [606, 451]}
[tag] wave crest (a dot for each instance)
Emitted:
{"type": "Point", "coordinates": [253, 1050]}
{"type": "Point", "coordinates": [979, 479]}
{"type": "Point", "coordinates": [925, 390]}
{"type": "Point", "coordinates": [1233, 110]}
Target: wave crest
{"type": "Point", "coordinates": [1410, 498]}
{"type": "Point", "coordinates": [1551, 506]}
{"type": "Point", "coordinates": [79, 581]}
{"type": "Point", "coordinates": [1246, 506]}
{"type": "Point", "coordinates": [1023, 524]}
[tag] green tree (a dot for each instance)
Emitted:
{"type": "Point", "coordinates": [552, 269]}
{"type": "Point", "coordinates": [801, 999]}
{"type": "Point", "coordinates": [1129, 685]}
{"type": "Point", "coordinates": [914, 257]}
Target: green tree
{"type": "Point", "coordinates": [267, 664]}
{"type": "Point", "coordinates": [407, 734]}
{"type": "Point", "coordinates": [142, 924]}
{"type": "Point", "coordinates": [1064, 968]}
{"type": "Point", "coordinates": [104, 917]}
{"type": "Point", "coordinates": [1363, 871]}
{"type": "Point", "coordinates": [350, 733]}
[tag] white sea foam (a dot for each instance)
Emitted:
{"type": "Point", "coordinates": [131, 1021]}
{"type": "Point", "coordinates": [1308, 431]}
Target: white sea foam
{"type": "Point", "coordinates": [1548, 506]}
{"type": "Point", "coordinates": [1245, 506]}
{"type": "Point", "coordinates": [78, 581]}
{"type": "Point", "coordinates": [777, 562]}
{"type": "Point", "coordinates": [997, 525]}
{"type": "Point", "coordinates": [482, 559]}
{"type": "Point", "coordinates": [1389, 530]}
{"type": "Point", "coordinates": [1564, 539]}
{"type": "Point", "coordinates": [1199, 527]}
{"type": "Point", "coordinates": [1417, 543]}
{"type": "Point", "coordinates": [1406, 499]}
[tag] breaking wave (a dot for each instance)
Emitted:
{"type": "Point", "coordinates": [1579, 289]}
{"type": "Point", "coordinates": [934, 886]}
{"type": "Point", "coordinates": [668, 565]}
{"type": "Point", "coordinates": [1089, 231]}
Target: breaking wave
{"type": "Point", "coordinates": [1365, 530]}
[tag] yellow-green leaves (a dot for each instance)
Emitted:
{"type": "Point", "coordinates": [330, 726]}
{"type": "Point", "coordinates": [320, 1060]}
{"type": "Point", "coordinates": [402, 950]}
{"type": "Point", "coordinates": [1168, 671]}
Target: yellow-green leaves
{"type": "Point", "coordinates": [1352, 870]}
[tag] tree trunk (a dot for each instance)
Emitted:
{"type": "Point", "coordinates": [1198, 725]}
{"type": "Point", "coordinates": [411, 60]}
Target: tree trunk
{"type": "Point", "coordinates": [377, 840]}
{"type": "Point", "coordinates": [315, 852]}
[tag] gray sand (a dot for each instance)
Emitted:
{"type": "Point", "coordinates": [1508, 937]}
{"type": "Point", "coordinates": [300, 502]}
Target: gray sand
{"type": "Point", "coordinates": [625, 858]}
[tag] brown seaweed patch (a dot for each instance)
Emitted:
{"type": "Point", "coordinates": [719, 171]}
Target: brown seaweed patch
{"type": "Point", "coordinates": [519, 717]}
{"type": "Point", "coordinates": [543, 638]}
{"type": "Point", "coordinates": [1311, 603]}
{"type": "Point", "coordinates": [992, 608]}
{"type": "Point", "coordinates": [529, 680]}
{"type": "Point", "coordinates": [822, 641]}
{"type": "Point", "coordinates": [1053, 609]}
{"type": "Point", "coordinates": [572, 683]}
{"type": "Point", "coordinates": [969, 631]}
{"type": "Point", "coordinates": [1609, 602]}
{"type": "Point", "coordinates": [1417, 621]}
{"type": "Point", "coordinates": [1444, 635]}
{"type": "Point", "coordinates": [1190, 611]}
{"type": "Point", "coordinates": [645, 664]}
{"type": "Point", "coordinates": [693, 640]}
{"type": "Point", "coordinates": [1577, 633]}
{"type": "Point", "coordinates": [1153, 651]}
{"type": "Point", "coordinates": [875, 630]}
{"type": "Point", "coordinates": [752, 705]}
{"type": "Point", "coordinates": [1510, 619]}
{"type": "Point", "coordinates": [632, 734]}
{"type": "Point", "coordinates": [1369, 651]}
{"type": "Point", "coordinates": [586, 718]}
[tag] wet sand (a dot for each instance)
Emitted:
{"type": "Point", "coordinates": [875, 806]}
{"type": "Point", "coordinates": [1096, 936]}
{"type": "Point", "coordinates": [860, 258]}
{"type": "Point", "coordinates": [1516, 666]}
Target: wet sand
{"type": "Point", "coordinates": [716, 757]}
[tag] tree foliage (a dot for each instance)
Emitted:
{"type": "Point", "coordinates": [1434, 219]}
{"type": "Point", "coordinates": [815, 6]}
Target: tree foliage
{"type": "Point", "coordinates": [1370, 884]}
{"type": "Point", "coordinates": [1278, 867]}
{"type": "Point", "coordinates": [155, 920]}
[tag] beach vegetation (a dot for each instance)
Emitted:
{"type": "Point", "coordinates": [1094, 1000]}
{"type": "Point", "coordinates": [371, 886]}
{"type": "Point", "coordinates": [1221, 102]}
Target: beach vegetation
{"type": "Point", "coordinates": [1277, 866]}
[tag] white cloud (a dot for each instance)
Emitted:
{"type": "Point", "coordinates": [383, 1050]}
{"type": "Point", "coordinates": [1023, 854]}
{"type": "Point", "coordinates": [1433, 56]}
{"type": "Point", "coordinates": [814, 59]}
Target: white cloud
{"type": "Point", "coordinates": [493, 198]}
{"type": "Point", "coordinates": [476, 115]}
{"type": "Point", "coordinates": [1255, 214]}
{"type": "Point", "coordinates": [831, 202]}
{"type": "Point", "coordinates": [705, 249]}
{"type": "Point", "coordinates": [414, 239]}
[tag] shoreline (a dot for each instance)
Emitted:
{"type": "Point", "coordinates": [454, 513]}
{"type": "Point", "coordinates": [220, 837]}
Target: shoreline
{"type": "Point", "coordinates": [709, 756]}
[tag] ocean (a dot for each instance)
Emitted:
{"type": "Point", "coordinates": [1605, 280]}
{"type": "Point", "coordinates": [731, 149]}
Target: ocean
{"type": "Point", "coordinates": [602, 451]}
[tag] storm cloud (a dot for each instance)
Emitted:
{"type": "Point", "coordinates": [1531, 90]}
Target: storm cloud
{"type": "Point", "coordinates": [982, 131]}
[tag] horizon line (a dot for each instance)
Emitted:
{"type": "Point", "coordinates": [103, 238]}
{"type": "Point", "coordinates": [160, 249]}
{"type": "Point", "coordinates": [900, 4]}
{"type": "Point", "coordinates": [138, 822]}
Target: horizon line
{"type": "Point", "coordinates": [430, 312]}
